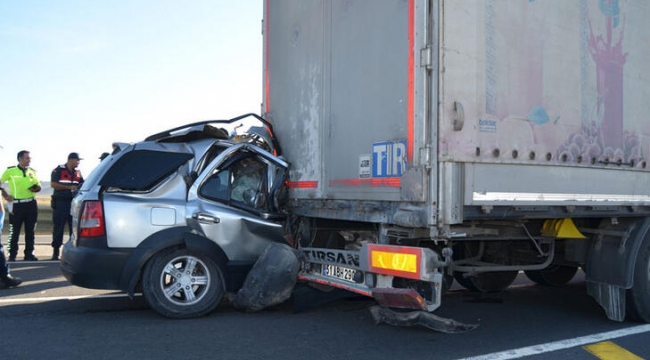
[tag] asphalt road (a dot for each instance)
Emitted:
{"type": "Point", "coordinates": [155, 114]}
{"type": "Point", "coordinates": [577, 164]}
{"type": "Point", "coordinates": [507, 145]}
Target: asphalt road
{"type": "Point", "coordinates": [48, 318]}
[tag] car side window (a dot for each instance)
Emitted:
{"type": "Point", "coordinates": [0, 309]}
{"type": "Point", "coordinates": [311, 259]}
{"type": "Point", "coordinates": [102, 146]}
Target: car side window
{"type": "Point", "coordinates": [242, 184]}
{"type": "Point", "coordinates": [141, 170]}
{"type": "Point", "coordinates": [248, 175]}
{"type": "Point", "coordinates": [216, 186]}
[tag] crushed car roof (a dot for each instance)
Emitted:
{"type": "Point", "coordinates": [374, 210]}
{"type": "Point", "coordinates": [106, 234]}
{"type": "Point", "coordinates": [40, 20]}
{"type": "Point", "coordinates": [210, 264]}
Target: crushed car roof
{"type": "Point", "coordinates": [241, 129]}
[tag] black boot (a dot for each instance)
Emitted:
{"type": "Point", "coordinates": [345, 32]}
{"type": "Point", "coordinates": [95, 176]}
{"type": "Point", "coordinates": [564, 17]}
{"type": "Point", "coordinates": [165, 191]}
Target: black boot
{"type": "Point", "coordinates": [55, 254]}
{"type": "Point", "coordinates": [9, 282]}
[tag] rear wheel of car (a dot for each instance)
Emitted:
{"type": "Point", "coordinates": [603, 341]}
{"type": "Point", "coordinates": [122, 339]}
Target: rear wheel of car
{"type": "Point", "coordinates": [181, 284]}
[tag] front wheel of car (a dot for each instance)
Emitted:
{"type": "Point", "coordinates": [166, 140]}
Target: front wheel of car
{"type": "Point", "coordinates": [181, 284]}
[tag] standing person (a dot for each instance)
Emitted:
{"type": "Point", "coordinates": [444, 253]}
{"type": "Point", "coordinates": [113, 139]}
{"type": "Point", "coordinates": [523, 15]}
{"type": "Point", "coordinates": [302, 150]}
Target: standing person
{"type": "Point", "coordinates": [65, 181]}
{"type": "Point", "coordinates": [23, 185]}
{"type": "Point", "coordinates": [6, 280]}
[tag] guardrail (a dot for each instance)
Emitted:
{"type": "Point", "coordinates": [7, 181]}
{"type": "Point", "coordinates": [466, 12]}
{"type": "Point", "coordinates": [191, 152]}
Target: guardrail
{"type": "Point", "coordinates": [43, 223]}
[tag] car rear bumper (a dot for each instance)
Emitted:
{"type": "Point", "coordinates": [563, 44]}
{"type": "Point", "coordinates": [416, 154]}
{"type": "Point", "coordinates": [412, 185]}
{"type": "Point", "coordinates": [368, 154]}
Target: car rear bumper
{"type": "Point", "coordinates": [93, 268]}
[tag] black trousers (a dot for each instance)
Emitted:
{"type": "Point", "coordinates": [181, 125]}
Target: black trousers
{"type": "Point", "coordinates": [4, 267]}
{"type": "Point", "coordinates": [60, 217]}
{"type": "Point", "coordinates": [23, 213]}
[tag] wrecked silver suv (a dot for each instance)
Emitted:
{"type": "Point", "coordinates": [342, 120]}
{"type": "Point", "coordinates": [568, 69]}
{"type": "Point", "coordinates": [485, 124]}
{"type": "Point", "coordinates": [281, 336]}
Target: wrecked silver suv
{"type": "Point", "coordinates": [182, 215]}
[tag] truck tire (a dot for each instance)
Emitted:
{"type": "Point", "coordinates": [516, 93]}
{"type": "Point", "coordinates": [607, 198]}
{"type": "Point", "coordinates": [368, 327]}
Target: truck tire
{"type": "Point", "coordinates": [181, 284]}
{"type": "Point", "coordinates": [638, 297]}
{"type": "Point", "coordinates": [554, 275]}
{"type": "Point", "coordinates": [488, 281]}
{"type": "Point", "coordinates": [483, 281]}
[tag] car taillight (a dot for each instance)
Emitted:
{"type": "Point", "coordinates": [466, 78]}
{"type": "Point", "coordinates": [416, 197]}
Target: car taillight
{"type": "Point", "coordinates": [91, 221]}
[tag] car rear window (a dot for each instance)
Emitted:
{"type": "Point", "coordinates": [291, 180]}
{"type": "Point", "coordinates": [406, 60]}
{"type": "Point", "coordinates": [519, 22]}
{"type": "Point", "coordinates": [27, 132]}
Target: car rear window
{"type": "Point", "coordinates": [140, 170]}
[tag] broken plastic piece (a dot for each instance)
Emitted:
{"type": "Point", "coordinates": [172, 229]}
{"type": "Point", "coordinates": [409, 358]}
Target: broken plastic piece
{"type": "Point", "coordinates": [423, 318]}
{"type": "Point", "coordinates": [270, 281]}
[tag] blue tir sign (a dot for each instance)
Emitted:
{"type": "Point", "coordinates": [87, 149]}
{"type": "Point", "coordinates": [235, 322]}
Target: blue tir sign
{"type": "Point", "coordinates": [388, 159]}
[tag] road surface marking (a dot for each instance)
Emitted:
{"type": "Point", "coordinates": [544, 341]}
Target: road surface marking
{"type": "Point", "coordinates": [55, 298]}
{"type": "Point", "coordinates": [607, 350]}
{"type": "Point", "coordinates": [562, 344]}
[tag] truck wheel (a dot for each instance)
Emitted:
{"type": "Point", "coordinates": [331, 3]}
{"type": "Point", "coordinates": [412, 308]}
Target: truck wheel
{"type": "Point", "coordinates": [554, 275]}
{"type": "Point", "coordinates": [488, 281]}
{"type": "Point", "coordinates": [181, 284]}
{"type": "Point", "coordinates": [638, 297]}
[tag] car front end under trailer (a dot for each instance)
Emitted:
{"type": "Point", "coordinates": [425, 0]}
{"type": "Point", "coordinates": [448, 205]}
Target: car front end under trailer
{"type": "Point", "coordinates": [372, 272]}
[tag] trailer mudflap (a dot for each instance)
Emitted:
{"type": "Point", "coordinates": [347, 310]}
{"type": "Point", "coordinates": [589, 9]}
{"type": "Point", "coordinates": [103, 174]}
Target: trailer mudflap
{"type": "Point", "coordinates": [419, 317]}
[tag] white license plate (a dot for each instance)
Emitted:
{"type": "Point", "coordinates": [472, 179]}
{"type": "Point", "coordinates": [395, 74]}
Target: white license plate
{"type": "Point", "coordinates": [339, 272]}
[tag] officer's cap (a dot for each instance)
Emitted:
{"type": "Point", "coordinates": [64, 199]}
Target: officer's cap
{"type": "Point", "coordinates": [74, 155]}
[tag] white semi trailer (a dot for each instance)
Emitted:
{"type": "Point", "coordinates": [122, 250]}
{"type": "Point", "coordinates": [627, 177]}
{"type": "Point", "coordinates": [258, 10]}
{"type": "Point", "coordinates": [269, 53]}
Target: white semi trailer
{"type": "Point", "coordinates": [467, 139]}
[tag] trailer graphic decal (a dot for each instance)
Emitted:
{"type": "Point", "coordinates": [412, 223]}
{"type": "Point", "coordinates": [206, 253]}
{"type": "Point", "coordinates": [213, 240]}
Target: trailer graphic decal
{"type": "Point", "coordinates": [388, 159]}
{"type": "Point", "coordinates": [383, 168]}
{"type": "Point", "coordinates": [487, 125]}
{"type": "Point", "coordinates": [525, 91]}
{"type": "Point", "coordinates": [340, 257]}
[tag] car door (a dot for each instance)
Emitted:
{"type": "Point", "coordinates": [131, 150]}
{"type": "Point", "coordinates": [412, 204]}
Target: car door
{"type": "Point", "coordinates": [241, 216]}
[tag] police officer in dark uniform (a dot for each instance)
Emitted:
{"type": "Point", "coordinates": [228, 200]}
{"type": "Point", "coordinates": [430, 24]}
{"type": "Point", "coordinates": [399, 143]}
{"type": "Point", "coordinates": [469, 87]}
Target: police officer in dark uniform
{"type": "Point", "coordinates": [65, 181]}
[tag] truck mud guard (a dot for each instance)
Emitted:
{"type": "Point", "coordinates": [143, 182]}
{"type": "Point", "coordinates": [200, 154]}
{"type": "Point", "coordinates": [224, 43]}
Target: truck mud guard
{"type": "Point", "coordinates": [611, 261]}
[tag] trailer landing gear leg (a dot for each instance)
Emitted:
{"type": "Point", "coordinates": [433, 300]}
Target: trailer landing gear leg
{"type": "Point", "coordinates": [419, 317]}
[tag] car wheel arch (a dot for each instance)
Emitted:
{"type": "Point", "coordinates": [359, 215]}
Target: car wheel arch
{"type": "Point", "coordinates": [179, 237]}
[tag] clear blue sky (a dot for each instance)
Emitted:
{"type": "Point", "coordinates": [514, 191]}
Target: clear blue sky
{"type": "Point", "coordinates": [78, 75]}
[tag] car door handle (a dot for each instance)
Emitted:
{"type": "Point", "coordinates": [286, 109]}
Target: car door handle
{"type": "Point", "coordinates": [205, 218]}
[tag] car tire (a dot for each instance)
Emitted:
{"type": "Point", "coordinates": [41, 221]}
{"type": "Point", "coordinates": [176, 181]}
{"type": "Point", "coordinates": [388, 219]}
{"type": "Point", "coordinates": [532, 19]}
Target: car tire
{"type": "Point", "coordinates": [179, 283]}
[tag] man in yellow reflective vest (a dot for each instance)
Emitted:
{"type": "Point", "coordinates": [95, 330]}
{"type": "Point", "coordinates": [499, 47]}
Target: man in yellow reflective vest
{"type": "Point", "coordinates": [23, 186]}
